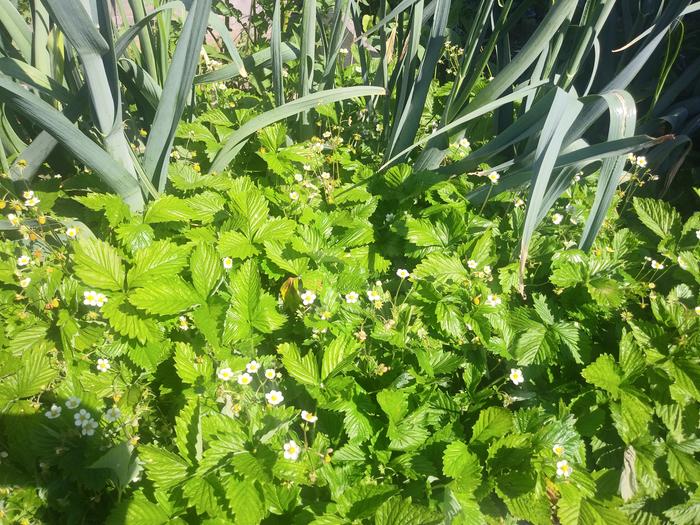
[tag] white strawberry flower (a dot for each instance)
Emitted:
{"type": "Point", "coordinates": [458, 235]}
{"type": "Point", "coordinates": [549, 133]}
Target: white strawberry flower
{"type": "Point", "coordinates": [373, 296]}
{"type": "Point", "coordinates": [81, 417]}
{"type": "Point", "coordinates": [298, 177]}
{"type": "Point", "coordinates": [100, 299]}
{"type": "Point", "coordinates": [516, 376]}
{"type": "Point", "coordinates": [72, 232]}
{"type": "Point", "coordinates": [73, 402]}
{"type": "Point", "coordinates": [493, 300]}
{"type": "Point", "coordinates": [402, 273]}
{"type": "Point", "coordinates": [103, 365]}
{"type": "Point", "coordinates": [464, 143]}
{"type": "Point", "coordinates": [244, 379]}
{"type": "Point", "coordinates": [25, 282]}
{"type": "Point", "coordinates": [642, 161]}
{"type": "Point", "coordinates": [494, 177]}
{"type": "Point", "coordinates": [308, 298]}
{"type": "Point", "coordinates": [293, 195]}
{"type": "Point", "coordinates": [227, 262]}
{"type": "Point", "coordinates": [557, 218]}
{"type": "Point", "coordinates": [325, 175]}
{"type": "Point", "coordinates": [270, 373]}
{"type": "Point", "coordinates": [519, 203]}
{"type": "Point", "coordinates": [656, 265]}
{"type": "Point", "coordinates": [30, 203]}
{"type": "Point", "coordinates": [14, 219]}
{"type": "Point", "coordinates": [29, 194]}
{"type": "Point", "coordinates": [90, 297]}
{"type": "Point", "coordinates": [558, 449]}
{"type": "Point", "coordinates": [53, 412]}
{"type": "Point", "coordinates": [291, 450]}
{"type": "Point", "coordinates": [274, 397]}
{"type": "Point", "coordinates": [225, 374]}
{"type": "Point", "coordinates": [309, 416]}
{"type": "Point", "coordinates": [112, 414]}
{"type": "Point", "coordinates": [252, 367]}
{"type": "Point", "coordinates": [351, 297]}
{"type": "Point", "coordinates": [184, 325]}
{"type": "Point", "coordinates": [564, 469]}
{"type": "Point", "coordinates": [89, 428]}
{"type": "Point", "coordinates": [23, 260]}
{"type": "Point", "coordinates": [471, 263]}
{"type": "Point", "coordinates": [697, 310]}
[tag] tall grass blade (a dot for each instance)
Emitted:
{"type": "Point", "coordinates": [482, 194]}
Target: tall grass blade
{"type": "Point", "coordinates": [17, 28]}
{"type": "Point", "coordinates": [404, 128]}
{"type": "Point", "coordinates": [176, 90]}
{"type": "Point", "coordinates": [65, 132]}
{"type": "Point", "coordinates": [41, 59]}
{"type": "Point", "coordinates": [564, 110]}
{"type": "Point", "coordinates": [99, 64]}
{"type": "Point", "coordinates": [431, 158]}
{"type": "Point", "coordinates": [228, 151]}
{"type": "Point", "coordinates": [258, 62]}
{"type": "Point", "coordinates": [623, 118]}
{"type": "Point", "coordinates": [307, 58]}
{"type": "Point", "coordinates": [148, 58]}
{"type": "Point", "coordinates": [276, 48]}
{"type": "Point", "coordinates": [340, 17]}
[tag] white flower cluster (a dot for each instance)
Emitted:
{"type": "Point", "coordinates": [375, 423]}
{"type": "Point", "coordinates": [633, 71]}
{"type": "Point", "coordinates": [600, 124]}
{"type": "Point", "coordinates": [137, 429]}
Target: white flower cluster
{"type": "Point", "coordinates": [83, 419]}
{"type": "Point", "coordinates": [93, 298]}
{"type": "Point", "coordinates": [274, 397]}
{"type": "Point", "coordinates": [639, 161]}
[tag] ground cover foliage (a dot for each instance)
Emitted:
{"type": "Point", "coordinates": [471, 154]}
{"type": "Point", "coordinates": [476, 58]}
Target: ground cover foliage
{"type": "Point", "coordinates": [394, 280]}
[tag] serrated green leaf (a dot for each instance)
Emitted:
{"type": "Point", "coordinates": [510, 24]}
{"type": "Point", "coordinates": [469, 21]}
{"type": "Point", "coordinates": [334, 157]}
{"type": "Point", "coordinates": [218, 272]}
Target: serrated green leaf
{"type": "Point", "coordinates": [161, 259]}
{"type": "Point", "coordinates": [245, 501]}
{"type": "Point", "coordinates": [164, 468]}
{"type": "Point", "coordinates": [206, 269]}
{"type": "Point", "coordinates": [188, 431]}
{"type": "Point", "coordinates": [275, 230]}
{"type": "Point", "coordinates": [204, 206]}
{"type": "Point", "coordinates": [606, 292]}
{"type": "Point", "coordinates": [303, 369]}
{"type": "Point", "coordinates": [114, 206]}
{"type": "Point", "coordinates": [400, 511]}
{"type": "Point", "coordinates": [658, 216]}
{"type": "Point", "coordinates": [450, 319]}
{"type": "Point", "coordinates": [201, 495]}
{"type": "Point", "coordinates": [422, 232]}
{"type": "Point", "coordinates": [442, 268]}
{"type": "Point", "coordinates": [339, 350]}
{"type": "Point", "coordinates": [165, 297]}
{"type": "Point", "coordinates": [568, 274]}
{"type": "Point", "coordinates": [35, 375]}
{"type": "Point", "coordinates": [168, 208]}
{"type": "Point", "coordinates": [189, 366]}
{"type": "Point", "coordinates": [128, 321]}
{"type": "Point", "coordinates": [605, 374]}
{"type": "Point", "coordinates": [236, 245]}
{"type": "Point", "coordinates": [394, 403]}
{"type": "Point", "coordinates": [535, 346]}
{"type": "Point", "coordinates": [251, 309]}
{"type": "Point", "coordinates": [462, 465]}
{"type": "Point", "coordinates": [492, 422]}
{"type": "Point", "coordinates": [98, 265]}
